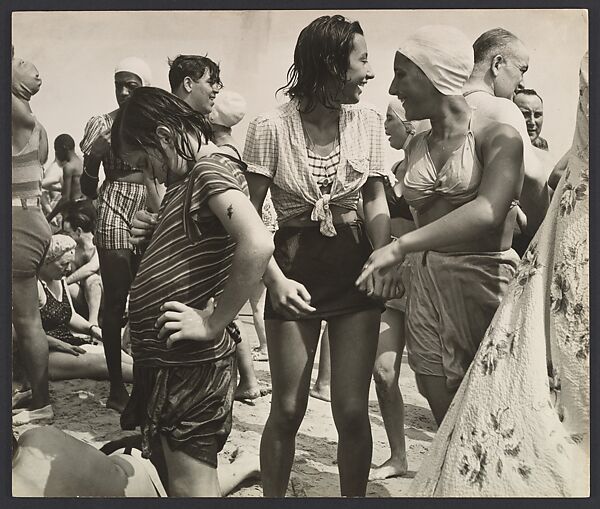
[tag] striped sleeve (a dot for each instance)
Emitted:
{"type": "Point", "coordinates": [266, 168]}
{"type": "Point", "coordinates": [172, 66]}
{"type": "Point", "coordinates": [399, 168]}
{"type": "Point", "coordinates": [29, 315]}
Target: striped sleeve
{"type": "Point", "coordinates": [94, 127]}
{"type": "Point", "coordinates": [260, 150]}
{"type": "Point", "coordinates": [212, 176]}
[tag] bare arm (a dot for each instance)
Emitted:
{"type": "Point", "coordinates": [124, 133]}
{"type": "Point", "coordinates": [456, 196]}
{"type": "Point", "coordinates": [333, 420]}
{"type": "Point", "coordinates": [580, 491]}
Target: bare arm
{"type": "Point", "coordinates": [43, 147]}
{"type": "Point", "coordinates": [502, 151]}
{"type": "Point", "coordinates": [287, 296]}
{"type": "Point", "coordinates": [86, 270]}
{"type": "Point", "coordinates": [377, 214]}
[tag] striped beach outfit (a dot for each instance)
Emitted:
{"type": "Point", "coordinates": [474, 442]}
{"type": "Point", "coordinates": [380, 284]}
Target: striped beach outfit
{"type": "Point", "coordinates": [185, 392]}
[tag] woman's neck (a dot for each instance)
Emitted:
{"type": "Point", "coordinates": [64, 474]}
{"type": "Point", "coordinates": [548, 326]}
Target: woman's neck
{"type": "Point", "coordinates": [48, 281]}
{"type": "Point", "coordinates": [320, 116]}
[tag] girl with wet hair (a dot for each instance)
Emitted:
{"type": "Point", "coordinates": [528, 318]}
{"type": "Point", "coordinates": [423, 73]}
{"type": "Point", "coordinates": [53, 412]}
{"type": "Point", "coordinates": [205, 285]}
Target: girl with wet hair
{"type": "Point", "coordinates": [316, 154]}
{"type": "Point", "coordinates": [209, 244]}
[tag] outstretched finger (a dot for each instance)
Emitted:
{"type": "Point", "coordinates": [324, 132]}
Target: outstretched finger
{"type": "Point", "coordinates": [366, 273]}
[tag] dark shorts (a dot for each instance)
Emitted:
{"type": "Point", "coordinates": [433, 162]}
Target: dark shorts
{"type": "Point", "coordinates": [326, 266]}
{"type": "Point", "coordinates": [191, 406]}
{"type": "Point", "coordinates": [30, 240]}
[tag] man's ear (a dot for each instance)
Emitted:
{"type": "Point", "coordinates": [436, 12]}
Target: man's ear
{"type": "Point", "coordinates": [79, 231]}
{"type": "Point", "coordinates": [495, 65]}
{"type": "Point", "coordinates": [187, 84]}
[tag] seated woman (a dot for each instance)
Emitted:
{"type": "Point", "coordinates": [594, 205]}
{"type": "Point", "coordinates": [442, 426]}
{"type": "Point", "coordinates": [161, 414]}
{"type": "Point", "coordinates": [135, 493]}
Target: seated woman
{"type": "Point", "coordinates": [70, 356]}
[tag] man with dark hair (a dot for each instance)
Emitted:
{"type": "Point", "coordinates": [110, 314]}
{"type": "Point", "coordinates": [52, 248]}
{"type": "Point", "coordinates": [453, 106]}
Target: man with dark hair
{"type": "Point", "coordinates": [195, 79]}
{"type": "Point", "coordinates": [72, 168]}
{"type": "Point", "coordinates": [84, 282]}
{"type": "Point", "coordinates": [532, 107]}
{"type": "Point", "coordinates": [501, 60]}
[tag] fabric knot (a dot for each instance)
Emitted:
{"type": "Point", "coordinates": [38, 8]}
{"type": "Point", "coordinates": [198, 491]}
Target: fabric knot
{"type": "Point", "coordinates": [322, 213]}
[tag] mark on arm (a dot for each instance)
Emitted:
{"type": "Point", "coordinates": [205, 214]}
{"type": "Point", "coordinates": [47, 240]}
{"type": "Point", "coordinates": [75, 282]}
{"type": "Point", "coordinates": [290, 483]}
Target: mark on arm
{"type": "Point", "coordinates": [230, 211]}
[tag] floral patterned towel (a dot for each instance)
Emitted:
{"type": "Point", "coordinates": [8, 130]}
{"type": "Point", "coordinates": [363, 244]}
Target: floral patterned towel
{"type": "Point", "coordinates": [519, 423]}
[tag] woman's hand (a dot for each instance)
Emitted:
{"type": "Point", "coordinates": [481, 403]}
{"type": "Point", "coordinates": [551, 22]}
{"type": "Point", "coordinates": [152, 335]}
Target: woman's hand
{"type": "Point", "coordinates": [142, 227]}
{"type": "Point", "coordinates": [376, 278]}
{"type": "Point", "coordinates": [58, 345]}
{"type": "Point", "coordinates": [95, 332]}
{"type": "Point", "coordinates": [290, 298]}
{"type": "Point", "coordinates": [179, 322]}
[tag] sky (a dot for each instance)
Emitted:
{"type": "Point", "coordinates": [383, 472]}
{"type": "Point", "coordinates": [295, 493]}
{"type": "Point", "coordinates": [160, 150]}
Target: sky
{"type": "Point", "coordinates": [76, 52]}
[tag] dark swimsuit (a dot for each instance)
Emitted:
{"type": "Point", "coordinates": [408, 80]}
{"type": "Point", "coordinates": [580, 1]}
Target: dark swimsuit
{"type": "Point", "coordinates": [56, 316]}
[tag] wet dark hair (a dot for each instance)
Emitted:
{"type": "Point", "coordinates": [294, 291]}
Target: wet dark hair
{"type": "Point", "coordinates": [494, 41]}
{"type": "Point", "coordinates": [81, 215]}
{"type": "Point", "coordinates": [529, 92]}
{"type": "Point", "coordinates": [64, 142]}
{"type": "Point", "coordinates": [321, 58]}
{"type": "Point", "coordinates": [193, 66]}
{"type": "Point", "coordinates": [148, 108]}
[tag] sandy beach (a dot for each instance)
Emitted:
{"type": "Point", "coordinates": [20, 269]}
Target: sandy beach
{"type": "Point", "coordinates": [79, 407]}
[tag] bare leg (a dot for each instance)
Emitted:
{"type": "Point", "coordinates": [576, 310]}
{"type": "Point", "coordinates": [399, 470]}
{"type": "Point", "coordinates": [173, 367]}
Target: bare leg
{"type": "Point", "coordinates": [292, 347]}
{"type": "Point", "coordinates": [257, 303]}
{"type": "Point", "coordinates": [248, 385]}
{"type": "Point", "coordinates": [189, 477]}
{"type": "Point", "coordinates": [434, 389]}
{"type": "Point", "coordinates": [386, 374]}
{"type": "Point", "coordinates": [64, 366]}
{"type": "Point", "coordinates": [322, 387]}
{"type": "Point", "coordinates": [116, 267]}
{"type": "Point", "coordinates": [353, 343]}
{"type": "Point", "coordinates": [33, 344]}
{"type": "Point", "coordinates": [92, 287]}
{"type": "Point", "coordinates": [245, 466]}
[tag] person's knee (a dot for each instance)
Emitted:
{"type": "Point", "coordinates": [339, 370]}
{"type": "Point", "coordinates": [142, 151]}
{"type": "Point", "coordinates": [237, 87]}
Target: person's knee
{"type": "Point", "coordinates": [287, 415]}
{"type": "Point", "coordinates": [351, 417]}
{"type": "Point", "coordinates": [385, 377]}
{"type": "Point", "coordinates": [93, 283]}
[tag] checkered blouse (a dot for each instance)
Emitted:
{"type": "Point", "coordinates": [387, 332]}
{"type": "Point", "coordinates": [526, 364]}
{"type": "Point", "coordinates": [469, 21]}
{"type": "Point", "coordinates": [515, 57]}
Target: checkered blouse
{"type": "Point", "coordinates": [276, 148]}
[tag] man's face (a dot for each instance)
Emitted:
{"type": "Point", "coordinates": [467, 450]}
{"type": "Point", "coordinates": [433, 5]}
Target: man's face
{"type": "Point", "coordinates": [511, 70]}
{"type": "Point", "coordinates": [533, 110]}
{"type": "Point", "coordinates": [125, 83]}
{"type": "Point", "coordinates": [202, 93]}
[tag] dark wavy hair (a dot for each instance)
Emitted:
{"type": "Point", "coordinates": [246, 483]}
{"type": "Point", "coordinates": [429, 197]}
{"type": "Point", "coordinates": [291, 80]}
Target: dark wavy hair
{"type": "Point", "coordinates": [149, 107]}
{"type": "Point", "coordinates": [193, 66]}
{"type": "Point", "coordinates": [321, 59]}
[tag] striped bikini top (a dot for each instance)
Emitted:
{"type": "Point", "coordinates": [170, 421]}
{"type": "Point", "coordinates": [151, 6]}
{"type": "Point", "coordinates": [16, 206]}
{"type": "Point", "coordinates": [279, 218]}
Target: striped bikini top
{"type": "Point", "coordinates": [324, 168]}
{"type": "Point", "coordinates": [27, 170]}
{"type": "Point", "coordinates": [457, 181]}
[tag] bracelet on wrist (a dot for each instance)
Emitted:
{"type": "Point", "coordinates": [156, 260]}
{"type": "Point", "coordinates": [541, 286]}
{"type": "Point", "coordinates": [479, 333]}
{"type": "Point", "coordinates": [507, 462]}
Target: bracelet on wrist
{"type": "Point", "coordinates": [91, 328]}
{"type": "Point", "coordinates": [90, 176]}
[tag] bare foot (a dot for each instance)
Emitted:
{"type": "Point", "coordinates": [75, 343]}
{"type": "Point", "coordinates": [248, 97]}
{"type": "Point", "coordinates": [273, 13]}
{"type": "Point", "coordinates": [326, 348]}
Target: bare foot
{"type": "Point", "coordinates": [258, 354]}
{"type": "Point", "coordinates": [117, 399]}
{"type": "Point", "coordinates": [249, 393]}
{"type": "Point", "coordinates": [391, 468]}
{"type": "Point", "coordinates": [321, 391]}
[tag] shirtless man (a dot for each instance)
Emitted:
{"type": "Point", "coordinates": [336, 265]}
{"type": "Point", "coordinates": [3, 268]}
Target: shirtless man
{"type": "Point", "coordinates": [85, 283]}
{"type": "Point", "coordinates": [72, 168]}
{"type": "Point", "coordinates": [47, 462]}
{"type": "Point", "coordinates": [501, 61]}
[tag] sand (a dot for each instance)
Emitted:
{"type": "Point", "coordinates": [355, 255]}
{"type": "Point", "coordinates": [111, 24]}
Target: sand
{"type": "Point", "coordinates": [79, 407]}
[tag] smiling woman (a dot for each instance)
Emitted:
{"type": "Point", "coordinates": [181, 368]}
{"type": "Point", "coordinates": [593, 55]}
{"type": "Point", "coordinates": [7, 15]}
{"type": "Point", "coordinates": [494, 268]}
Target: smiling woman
{"type": "Point", "coordinates": [317, 153]}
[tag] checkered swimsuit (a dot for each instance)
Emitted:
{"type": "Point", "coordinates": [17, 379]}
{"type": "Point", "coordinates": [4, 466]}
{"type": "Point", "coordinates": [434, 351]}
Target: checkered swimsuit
{"type": "Point", "coordinates": [117, 204]}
